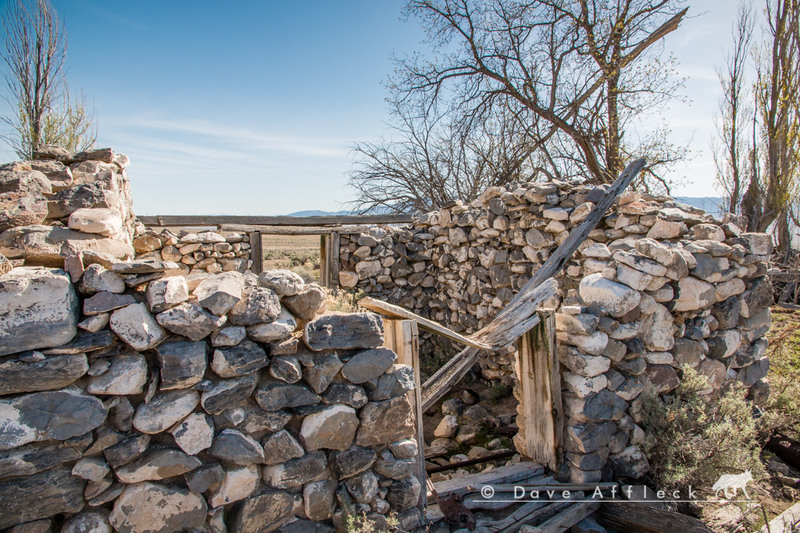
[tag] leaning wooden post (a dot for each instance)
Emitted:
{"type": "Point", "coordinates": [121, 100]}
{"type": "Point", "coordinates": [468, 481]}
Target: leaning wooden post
{"type": "Point", "coordinates": [402, 336]}
{"type": "Point", "coordinates": [540, 416]}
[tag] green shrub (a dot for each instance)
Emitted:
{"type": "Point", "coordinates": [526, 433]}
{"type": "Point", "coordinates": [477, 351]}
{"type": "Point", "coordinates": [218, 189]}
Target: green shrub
{"type": "Point", "coordinates": [693, 439]}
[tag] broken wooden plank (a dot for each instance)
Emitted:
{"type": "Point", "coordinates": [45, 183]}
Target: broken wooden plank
{"type": "Point", "coordinates": [631, 517]}
{"type": "Point", "coordinates": [520, 308]}
{"type": "Point", "coordinates": [538, 436]}
{"type": "Point", "coordinates": [566, 518]}
{"type": "Point", "coordinates": [528, 512]}
{"type": "Point", "coordinates": [786, 521]}
{"type": "Point", "coordinates": [500, 500]}
{"type": "Point", "coordinates": [395, 311]}
{"type": "Point", "coordinates": [513, 473]}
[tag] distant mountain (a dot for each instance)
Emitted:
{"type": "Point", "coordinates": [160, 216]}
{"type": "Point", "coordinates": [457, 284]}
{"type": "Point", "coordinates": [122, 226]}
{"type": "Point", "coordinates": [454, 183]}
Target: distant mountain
{"type": "Point", "coordinates": [709, 204]}
{"type": "Point", "coordinates": [318, 213]}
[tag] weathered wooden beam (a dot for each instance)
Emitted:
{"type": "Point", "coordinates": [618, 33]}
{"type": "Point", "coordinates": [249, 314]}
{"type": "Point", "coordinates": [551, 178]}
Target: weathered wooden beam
{"type": "Point", "coordinates": [786, 521]}
{"type": "Point", "coordinates": [521, 308]}
{"type": "Point", "coordinates": [395, 311]}
{"type": "Point", "coordinates": [334, 260]}
{"type": "Point", "coordinates": [291, 230]}
{"type": "Point", "coordinates": [513, 473]}
{"type": "Point", "coordinates": [256, 253]}
{"type": "Point", "coordinates": [631, 517]}
{"type": "Point", "coordinates": [216, 220]}
{"type": "Point", "coordinates": [566, 518]}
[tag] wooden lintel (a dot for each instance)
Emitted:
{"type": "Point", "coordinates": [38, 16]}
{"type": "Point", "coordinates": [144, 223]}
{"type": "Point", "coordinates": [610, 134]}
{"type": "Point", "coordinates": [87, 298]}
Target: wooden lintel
{"type": "Point", "coordinates": [216, 220]}
{"type": "Point", "coordinates": [395, 311]}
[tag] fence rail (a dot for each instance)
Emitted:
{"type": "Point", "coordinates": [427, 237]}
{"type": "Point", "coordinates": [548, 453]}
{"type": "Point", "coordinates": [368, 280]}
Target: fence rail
{"type": "Point", "coordinates": [219, 220]}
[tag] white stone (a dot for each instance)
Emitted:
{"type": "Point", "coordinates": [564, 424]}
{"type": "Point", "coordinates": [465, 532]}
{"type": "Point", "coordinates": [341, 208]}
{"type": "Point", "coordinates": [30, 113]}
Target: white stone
{"type": "Point", "coordinates": [219, 293]}
{"type": "Point", "coordinates": [333, 428]}
{"type": "Point", "coordinates": [150, 508]}
{"type": "Point", "coordinates": [657, 331]}
{"type": "Point", "coordinates": [368, 269]}
{"type": "Point", "coordinates": [95, 323]}
{"type": "Point", "coordinates": [556, 213]}
{"type": "Point", "coordinates": [583, 386]}
{"type": "Point", "coordinates": [237, 485]}
{"type": "Point", "coordinates": [280, 329]}
{"type": "Point", "coordinates": [582, 364]}
{"type": "Point", "coordinates": [664, 229]}
{"type": "Point", "coordinates": [593, 344]}
{"type": "Point", "coordinates": [658, 358]}
{"type": "Point", "coordinates": [126, 375]}
{"type": "Point", "coordinates": [597, 250]}
{"type": "Point", "coordinates": [348, 279]}
{"type": "Point", "coordinates": [102, 221]}
{"type": "Point", "coordinates": [137, 327]}
{"type": "Point", "coordinates": [195, 433]}
{"type": "Point", "coordinates": [726, 289]}
{"type": "Point", "coordinates": [165, 293]}
{"type": "Point", "coordinates": [446, 428]}
{"type": "Point", "coordinates": [615, 298]}
{"type": "Point", "coordinates": [694, 294]}
{"type": "Point", "coordinates": [635, 279]}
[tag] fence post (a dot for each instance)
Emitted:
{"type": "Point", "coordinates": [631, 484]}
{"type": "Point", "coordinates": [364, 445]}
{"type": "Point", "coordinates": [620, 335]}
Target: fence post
{"type": "Point", "coordinates": [256, 252]}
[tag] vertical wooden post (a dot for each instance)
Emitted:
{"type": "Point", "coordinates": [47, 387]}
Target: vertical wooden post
{"type": "Point", "coordinates": [402, 336]}
{"type": "Point", "coordinates": [323, 260]}
{"type": "Point", "coordinates": [256, 252]}
{"type": "Point", "coordinates": [540, 416]}
{"type": "Point", "coordinates": [334, 260]}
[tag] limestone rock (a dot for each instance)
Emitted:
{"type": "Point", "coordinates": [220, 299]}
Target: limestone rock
{"type": "Point", "coordinates": [166, 293]}
{"type": "Point", "coordinates": [368, 365]}
{"type": "Point", "coordinates": [295, 473]}
{"type": "Point", "coordinates": [221, 292]}
{"type": "Point", "coordinates": [136, 327]}
{"type": "Point", "coordinates": [21, 209]}
{"type": "Point", "coordinates": [33, 458]}
{"type": "Point", "coordinates": [283, 282]}
{"type": "Point", "coordinates": [657, 329]}
{"type": "Point", "coordinates": [56, 415]}
{"type": "Point", "coordinates": [103, 221]}
{"type": "Point", "coordinates": [319, 499]}
{"type": "Point", "coordinates": [348, 279]}
{"type": "Point", "coordinates": [195, 433]}
{"type": "Point", "coordinates": [663, 377]}
{"type": "Point", "coordinates": [190, 320]}
{"type": "Point", "coordinates": [258, 305]}
{"type": "Point", "coordinates": [306, 304]}
{"type": "Point", "coordinates": [235, 447]}
{"type": "Point", "coordinates": [127, 375]}
{"type": "Point", "coordinates": [352, 461]}
{"type": "Point", "coordinates": [50, 373]}
{"type": "Point", "coordinates": [245, 358]}
{"type": "Point", "coordinates": [183, 364]}
{"type": "Point", "coordinates": [617, 299]}
{"type": "Point", "coordinates": [39, 496]}
{"type": "Point", "coordinates": [40, 309]}
{"type": "Point", "coordinates": [97, 279]}
{"type": "Point", "coordinates": [347, 394]}
{"type": "Point", "coordinates": [157, 465]}
{"type": "Point", "coordinates": [276, 395]}
{"type": "Point", "coordinates": [262, 513]}
{"type": "Point", "coordinates": [286, 368]}
{"type": "Point", "coordinates": [229, 336]}
{"type": "Point", "coordinates": [343, 332]}
{"type": "Point", "coordinates": [279, 330]}
{"type": "Point", "coordinates": [322, 372]}
{"type": "Point", "coordinates": [694, 294]}
{"type": "Point", "coordinates": [332, 428]}
{"type": "Point", "coordinates": [281, 447]}
{"type": "Point", "coordinates": [228, 393]}
{"type": "Point", "coordinates": [151, 508]}
{"type": "Point", "coordinates": [386, 421]}
{"type": "Point", "coordinates": [630, 463]}
{"type": "Point", "coordinates": [398, 380]}
{"type": "Point", "coordinates": [165, 410]}
{"type": "Point", "coordinates": [48, 245]}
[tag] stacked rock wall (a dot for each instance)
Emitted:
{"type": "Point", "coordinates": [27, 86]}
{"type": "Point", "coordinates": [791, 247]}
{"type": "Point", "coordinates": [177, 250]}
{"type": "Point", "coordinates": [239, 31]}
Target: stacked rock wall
{"type": "Point", "coordinates": [657, 285]}
{"type": "Point", "coordinates": [134, 398]}
{"type": "Point", "coordinates": [63, 204]}
{"type": "Point", "coordinates": [205, 251]}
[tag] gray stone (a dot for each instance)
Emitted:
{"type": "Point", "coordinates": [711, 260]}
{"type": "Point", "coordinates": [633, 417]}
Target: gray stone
{"type": "Point", "coordinates": [385, 422]}
{"type": "Point", "coordinates": [757, 297]}
{"type": "Point", "coordinates": [84, 342]}
{"type": "Point", "coordinates": [39, 496]}
{"type": "Point", "coordinates": [127, 375]}
{"type": "Point", "coordinates": [157, 465]}
{"type": "Point", "coordinates": [283, 282]}
{"type": "Point", "coordinates": [295, 473]}
{"type": "Point", "coordinates": [276, 331]}
{"type": "Point", "coordinates": [229, 336]}
{"type": "Point", "coordinates": [281, 447]}
{"type": "Point", "coordinates": [343, 332]}
{"type": "Point", "coordinates": [136, 327]}
{"type": "Point", "coordinates": [657, 330]}
{"type": "Point", "coordinates": [86, 522]}
{"type": "Point", "coordinates": [190, 320]}
{"type": "Point", "coordinates": [694, 294]}
{"type": "Point", "coordinates": [319, 375]}
{"type": "Point", "coordinates": [126, 450]}
{"type": "Point", "coordinates": [143, 267]}
{"type": "Point", "coordinates": [21, 209]}
{"type": "Point", "coordinates": [347, 394]}
{"type": "Point", "coordinates": [32, 458]}
{"type": "Point", "coordinates": [631, 463]}
{"type": "Point", "coordinates": [194, 434]}
{"type": "Point", "coordinates": [228, 393]}
{"type": "Point", "coordinates": [233, 446]}
{"type": "Point", "coordinates": [605, 405]}
{"type": "Point", "coordinates": [150, 508]}
{"type": "Point", "coordinates": [306, 304]}
{"type": "Point", "coordinates": [663, 377]}
{"type": "Point", "coordinates": [286, 368]}
{"type": "Point", "coordinates": [404, 449]}
{"type": "Point", "coordinates": [351, 461]}
{"type": "Point", "coordinates": [751, 374]}
{"type": "Point", "coordinates": [97, 279]}
{"type": "Point", "coordinates": [617, 299]}
{"type": "Point", "coordinates": [238, 484]}
{"type": "Point", "coordinates": [221, 292]}
{"type": "Point", "coordinates": [590, 437]}
{"type": "Point", "coordinates": [276, 395]}
{"type": "Point", "coordinates": [262, 513]}
{"type": "Point", "coordinates": [208, 476]}
{"type": "Point", "coordinates": [319, 499]}
{"type": "Point", "coordinates": [104, 302]}
{"type": "Point", "coordinates": [40, 309]}
{"type": "Point", "coordinates": [166, 293]}
{"type": "Point", "coordinates": [56, 415]}
{"type": "Point", "coordinates": [183, 364]}
{"type": "Point", "coordinates": [332, 428]}
{"type": "Point", "coordinates": [390, 467]}
{"type": "Point", "coordinates": [53, 372]}
{"type": "Point", "coordinates": [404, 494]}
{"type": "Point", "coordinates": [48, 245]}
{"type": "Point", "coordinates": [368, 365]}
{"type": "Point", "coordinates": [165, 410]}
{"type": "Point", "coordinates": [688, 352]}
{"type": "Point", "coordinates": [398, 380]}
{"type": "Point", "coordinates": [363, 488]}
{"type": "Point", "coordinates": [240, 360]}
{"type": "Point", "coordinates": [258, 421]}
{"type": "Point", "coordinates": [258, 304]}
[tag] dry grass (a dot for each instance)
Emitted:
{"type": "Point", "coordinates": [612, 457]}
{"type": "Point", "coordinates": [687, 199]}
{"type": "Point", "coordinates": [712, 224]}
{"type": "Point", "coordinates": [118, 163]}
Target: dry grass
{"type": "Point", "coordinates": [298, 253]}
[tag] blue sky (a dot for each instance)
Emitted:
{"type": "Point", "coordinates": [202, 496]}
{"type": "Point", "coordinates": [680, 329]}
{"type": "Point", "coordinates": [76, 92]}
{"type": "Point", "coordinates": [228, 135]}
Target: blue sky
{"type": "Point", "coordinates": [253, 107]}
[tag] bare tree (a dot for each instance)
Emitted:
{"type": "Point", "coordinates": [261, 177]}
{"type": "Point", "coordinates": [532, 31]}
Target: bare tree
{"type": "Point", "coordinates": [35, 53]}
{"type": "Point", "coordinates": [733, 157]}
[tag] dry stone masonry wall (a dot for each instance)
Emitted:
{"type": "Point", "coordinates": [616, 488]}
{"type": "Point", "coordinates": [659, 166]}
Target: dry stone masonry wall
{"type": "Point", "coordinates": [657, 285]}
{"type": "Point", "coordinates": [174, 391]}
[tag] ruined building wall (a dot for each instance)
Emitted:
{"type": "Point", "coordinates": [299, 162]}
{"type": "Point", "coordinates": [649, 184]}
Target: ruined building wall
{"type": "Point", "coordinates": [657, 285]}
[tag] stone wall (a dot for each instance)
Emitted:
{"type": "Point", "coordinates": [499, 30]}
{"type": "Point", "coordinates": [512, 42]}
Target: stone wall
{"type": "Point", "coordinates": [204, 251]}
{"type": "Point", "coordinates": [657, 285]}
{"type": "Point", "coordinates": [134, 398]}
